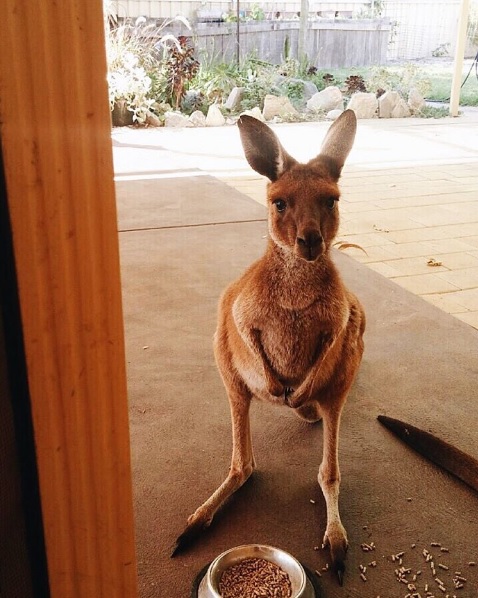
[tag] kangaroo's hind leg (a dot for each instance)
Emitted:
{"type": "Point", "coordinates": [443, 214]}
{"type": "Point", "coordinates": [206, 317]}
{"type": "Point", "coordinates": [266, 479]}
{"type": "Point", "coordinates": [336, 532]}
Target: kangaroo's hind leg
{"type": "Point", "coordinates": [329, 480]}
{"type": "Point", "coordinates": [242, 465]}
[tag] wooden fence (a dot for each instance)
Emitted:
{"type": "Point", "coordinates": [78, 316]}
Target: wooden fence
{"type": "Point", "coordinates": [330, 43]}
{"type": "Point", "coordinates": [419, 29]}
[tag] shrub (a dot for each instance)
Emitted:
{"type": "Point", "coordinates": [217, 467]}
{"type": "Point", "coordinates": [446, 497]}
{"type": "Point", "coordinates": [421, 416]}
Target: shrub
{"type": "Point", "coordinates": [400, 79]}
{"type": "Point", "coordinates": [179, 66]}
{"type": "Point", "coordinates": [133, 52]}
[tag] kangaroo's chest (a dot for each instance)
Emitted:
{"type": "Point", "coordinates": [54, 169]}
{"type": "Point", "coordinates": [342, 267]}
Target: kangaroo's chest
{"type": "Point", "coordinates": [290, 340]}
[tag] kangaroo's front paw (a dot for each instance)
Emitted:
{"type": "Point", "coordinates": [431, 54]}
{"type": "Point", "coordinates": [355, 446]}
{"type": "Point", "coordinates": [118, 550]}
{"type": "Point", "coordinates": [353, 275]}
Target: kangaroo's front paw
{"type": "Point", "coordinates": [335, 539]}
{"type": "Point", "coordinates": [294, 398]}
{"type": "Point", "coordinates": [275, 388]}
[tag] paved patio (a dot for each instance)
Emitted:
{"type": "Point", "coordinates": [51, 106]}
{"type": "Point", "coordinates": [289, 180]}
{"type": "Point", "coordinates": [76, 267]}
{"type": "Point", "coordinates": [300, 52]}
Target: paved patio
{"type": "Point", "coordinates": [409, 192]}
{"type": "Point", "coordinates": [188, 228]}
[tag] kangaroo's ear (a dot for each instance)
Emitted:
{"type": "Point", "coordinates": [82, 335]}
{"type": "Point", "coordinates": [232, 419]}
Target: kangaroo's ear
{"type": "Point", "coordinates": [262, 148]}
{"type": "Point", "coordinates": [339, 141]}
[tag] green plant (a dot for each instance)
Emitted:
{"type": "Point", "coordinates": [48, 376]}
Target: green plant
{"type": "Point", "coordinates": [294, 90]}
{"type": "Point", "coordinates": [323, 79]}
{"type": "Point", "coordinates": [192, 101]}
{"type": "Point", "coordinates": [256, 13]}
{"type": "Point", "coordinates": [179, 67]}
{"type": "Point", "coordinates": [133, 53]}
{"type": "Point", "coordinates": [372, 9]}
{"type": "Point", "coordinates": [258, 83]}
{"type": "Point", "coordinates": [293, 67]}
{"type": "Point", "coordinates": [286, 50]}
{"type": "Point", "coordinates": [130, 84]}
{"type": "Point", "coordinates": [441, 50]}
{"type": "Point", "coordinates": [432, 112]}
{"type": "Point", "coordinates": [216, 80]}
{"type": "Point", "coordinates": [355, 83]}
{"type": "Point", "coordinates": [400, 79]}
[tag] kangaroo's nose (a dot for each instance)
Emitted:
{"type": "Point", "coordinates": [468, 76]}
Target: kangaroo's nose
{"type": "Point", "coordinates": [310, 239]}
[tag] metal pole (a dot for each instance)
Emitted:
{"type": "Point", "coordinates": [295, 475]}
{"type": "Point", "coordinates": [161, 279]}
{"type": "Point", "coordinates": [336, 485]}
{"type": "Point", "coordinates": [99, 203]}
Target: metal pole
{"type": "Point", "coordinates": [238, 29]}
{"type": "Point", "coordinates": [459, 55]}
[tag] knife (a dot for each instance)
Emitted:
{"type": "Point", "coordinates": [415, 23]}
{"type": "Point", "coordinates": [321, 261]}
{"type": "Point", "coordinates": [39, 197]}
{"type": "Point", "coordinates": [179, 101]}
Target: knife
{"type": "Point", "coordinates": [448, 457]}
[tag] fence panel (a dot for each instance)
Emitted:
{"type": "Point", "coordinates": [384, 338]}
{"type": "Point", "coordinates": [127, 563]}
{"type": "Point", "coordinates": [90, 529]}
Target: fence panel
{"type": "Point", "coordinates": [420, 29]}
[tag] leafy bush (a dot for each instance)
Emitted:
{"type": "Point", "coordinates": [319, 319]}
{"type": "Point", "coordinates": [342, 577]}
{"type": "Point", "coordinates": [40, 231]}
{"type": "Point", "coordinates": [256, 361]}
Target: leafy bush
{"type": "Point", "coordinates": [216, 80]}
{"type": "Point", "coordinates": [134, 60]}
{"type": "Point", "coordinates": [257, 84]}
{"type": "Point", "coordinates": [179, 66]}
{"type": "Point", "coordinates": [399, 79]}
{"type": "Point", "coordinates": [355, 83]}
{"type": "Point", "coordinates": [294, 90]}
{"type": "Point", "coordinates": [433, 112]}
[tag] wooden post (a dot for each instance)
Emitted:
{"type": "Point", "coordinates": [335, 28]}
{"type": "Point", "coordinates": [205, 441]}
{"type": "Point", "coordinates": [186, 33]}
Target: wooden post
{"type": "Point", "coordinates": [459, 55]}
{"type": "Point", "coordinates": [56, 145]}
{"type": "Point", "coordinates": [303, 30]}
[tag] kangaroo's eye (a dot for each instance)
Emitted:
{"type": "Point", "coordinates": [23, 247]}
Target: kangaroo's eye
{"type": "Point", "coordinates": [330, 202]}
{"type": "Point", "coordinates": [280, 205]}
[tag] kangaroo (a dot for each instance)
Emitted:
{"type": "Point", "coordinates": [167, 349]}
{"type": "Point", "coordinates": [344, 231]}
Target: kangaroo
{"type": "Point", "coordinates": [288, 330]}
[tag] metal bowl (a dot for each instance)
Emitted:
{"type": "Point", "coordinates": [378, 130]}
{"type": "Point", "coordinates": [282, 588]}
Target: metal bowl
{"type": "Point", "coordinates": [279, 557]}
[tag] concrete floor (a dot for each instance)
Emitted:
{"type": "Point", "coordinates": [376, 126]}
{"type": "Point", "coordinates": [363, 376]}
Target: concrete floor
{"type": "Point", "coordinates": [187, 227]}
{"type": "Point", "coordinates": [409, 193]}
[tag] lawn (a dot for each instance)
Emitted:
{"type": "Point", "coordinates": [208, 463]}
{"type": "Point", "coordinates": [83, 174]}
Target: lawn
{"type": "Point", "coordinates": [441, 77]}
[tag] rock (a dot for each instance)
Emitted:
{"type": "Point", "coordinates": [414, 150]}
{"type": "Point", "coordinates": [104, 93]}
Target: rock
{"type": "Point", "coordinates": [415, 99]}
{"type": "Point", "coordinates": [256, 113]}
{"type": "Point", "coordinates": [334, 114]}
{"type": "Point", "coordinates": [328, 99]}
{"type": "Point", "coordinates": [234, 99]}
{"type": "Point", "coordinates": [310, 89]}
{"type": "Point", "coordinates": [277, 106]}
{"type": "Point", "coordinates": [387, 102]}
{"type": "Point", "coordinates": [197, 119]}
{"type": "Point", "coordinates": [392, 105]}
{"type": "Point", "coordinates": [363, 104]}
{"type": "Point", "coordinates": [152, 120]}
{"type": "Point", "coordinates": [176, 119]}
{"type": "Point", "coordinates": [214, 117]}
{"type": "Point", "coordinates": [401, 109]}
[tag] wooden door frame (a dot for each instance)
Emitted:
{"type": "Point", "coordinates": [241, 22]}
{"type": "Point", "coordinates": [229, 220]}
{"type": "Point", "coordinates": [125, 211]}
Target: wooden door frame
{"type": "Point", "coordinates": [56, 145]}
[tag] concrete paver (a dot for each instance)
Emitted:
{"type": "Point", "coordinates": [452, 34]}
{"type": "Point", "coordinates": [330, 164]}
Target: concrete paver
{"type": "Point", "coordinates": [182, 239]}
{"type": "Point", "coordinates": [409, 192]}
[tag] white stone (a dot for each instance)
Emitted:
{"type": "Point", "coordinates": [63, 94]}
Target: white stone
{"type": "Point", "coordinates": [256, 113]}
{"type": "Point", "coordinates": [328, 99]}
{"type": "Point", "coordinates": [401, 109]}
{"type": "Point", "coordinates": [214, 117]}
{"type": "Point", "coordinates": [234, 99]}
{"type": "Point", "coordinates": [334, 114]}
{"type": "Point", "coordinates": [197, 119]}
{"type": "Point", "coordinates": [363, 104]}
{"type": "Point", "coordinates": [277, 106]}
{"type": "Point", "coordinates": [387, 102]}
{"type": "Point", "coordinates": [152, 120]}
{"type": "Point", "coordinates": [415, 99]}
{"type": "Point", "coordinates": [176, 119]}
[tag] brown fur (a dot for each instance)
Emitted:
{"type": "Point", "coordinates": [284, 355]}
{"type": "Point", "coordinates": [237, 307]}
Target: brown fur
{"type": "Point", "coordinates": [289, 332]}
